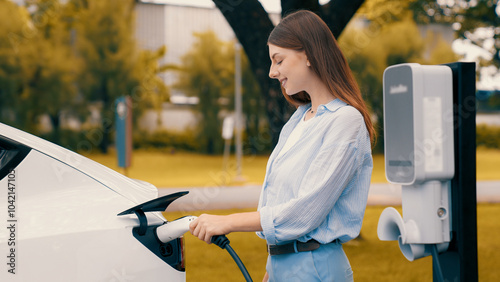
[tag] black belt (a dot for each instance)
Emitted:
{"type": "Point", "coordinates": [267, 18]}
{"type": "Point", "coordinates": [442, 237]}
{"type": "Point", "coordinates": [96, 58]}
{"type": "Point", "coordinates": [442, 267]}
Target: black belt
{"type": "Point", "coordinates": [293, 247]}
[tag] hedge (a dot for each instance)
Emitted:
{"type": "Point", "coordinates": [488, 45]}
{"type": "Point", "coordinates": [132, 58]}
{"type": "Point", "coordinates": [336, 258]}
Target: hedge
{"type": "Point", "coordinates": [488, 136]}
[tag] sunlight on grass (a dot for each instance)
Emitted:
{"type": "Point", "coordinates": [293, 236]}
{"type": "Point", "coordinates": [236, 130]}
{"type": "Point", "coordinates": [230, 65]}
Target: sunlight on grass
{"type": "Point", "coordinates": [164, 169]}
{"type": "Point", "coordinates": [378, 173]}
{"type": "Point", "coordinates": [371, 259]}
{"type": "Point", "coordinates": [488, 164]}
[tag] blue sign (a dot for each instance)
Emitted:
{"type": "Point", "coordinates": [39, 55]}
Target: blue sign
{"type": "Point", "coordinates": [123, 137]}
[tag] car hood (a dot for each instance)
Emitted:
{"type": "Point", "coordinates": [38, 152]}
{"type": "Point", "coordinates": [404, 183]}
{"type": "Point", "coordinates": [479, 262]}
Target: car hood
{"type": "Point", "coordinates": [134, 190]}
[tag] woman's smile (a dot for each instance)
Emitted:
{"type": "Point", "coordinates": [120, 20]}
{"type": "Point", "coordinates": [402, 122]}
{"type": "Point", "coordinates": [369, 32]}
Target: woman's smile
{"type": "Point", "coordinates": [283, 82]}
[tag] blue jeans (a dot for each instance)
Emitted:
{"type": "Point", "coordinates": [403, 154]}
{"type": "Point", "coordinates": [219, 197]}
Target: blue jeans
{"type": "Point", "coordinates": [327, 263]}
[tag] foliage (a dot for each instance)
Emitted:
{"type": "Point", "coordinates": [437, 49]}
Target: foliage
{"type": "Point", "coordinates": [13, 23]}
{"type": "Point", "coordinates": [41, 67]}
{"type": "Point", "coordinates": [105, 42]}
{"type": "Point", "coordinates": [385, 11]}
{"type": "Point", "coordinates": [468, 16]}
{"type": "Point", "coordinates": [164, 139]}
{"type": "Point", "coordinates": [252, 25]}
{"type": "Point", "coordinates": [58, 58]}
{"type": "Point", "coordinates": [488, 136]}
{"type": "Point", "coordinates": [114, 66]}
{"type": "Point", "coordinates": [494, 101]}
{"type": "Point", "coordinates": [374, 47]}
{"type": "Point", "coordinates": [207, 72]}
{"type": "Point", "coordinates": [257, 139]}
{"type": "Point", "coordinates": [475, 22]}
{"type": "Point", "coordinates": [151, 91]}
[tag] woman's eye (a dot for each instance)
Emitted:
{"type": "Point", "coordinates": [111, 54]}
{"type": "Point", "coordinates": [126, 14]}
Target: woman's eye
{"type": "Point", "coordinates": [279, 63]}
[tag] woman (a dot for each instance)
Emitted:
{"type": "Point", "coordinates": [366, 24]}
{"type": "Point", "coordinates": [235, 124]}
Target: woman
{"type": "Point", "coordinates": [317, 178]}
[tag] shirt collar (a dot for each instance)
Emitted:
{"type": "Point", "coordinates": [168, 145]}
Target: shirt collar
{"type": "Point", "coordinates": [331, 106]}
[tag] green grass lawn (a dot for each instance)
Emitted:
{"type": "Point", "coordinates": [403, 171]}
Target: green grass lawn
{"type": "Point", "coordinates": [371, 259]}
{"type": "Point", "coordinates": [164, 169]}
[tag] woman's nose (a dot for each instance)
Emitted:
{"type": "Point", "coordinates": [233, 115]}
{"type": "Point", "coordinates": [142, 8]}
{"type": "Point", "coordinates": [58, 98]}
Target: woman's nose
{"type": "Point", "coordinates": [273, 73]}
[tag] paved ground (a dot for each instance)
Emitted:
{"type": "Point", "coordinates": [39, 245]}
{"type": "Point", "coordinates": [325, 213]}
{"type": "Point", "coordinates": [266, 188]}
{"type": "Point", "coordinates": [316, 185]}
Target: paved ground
{"type": "Point", "coordinates": [208, 198]}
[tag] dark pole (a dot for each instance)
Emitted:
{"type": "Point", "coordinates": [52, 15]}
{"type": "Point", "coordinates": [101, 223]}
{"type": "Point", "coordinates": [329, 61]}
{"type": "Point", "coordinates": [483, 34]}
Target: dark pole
{"type": "Point", "coordinates": [459, 262]}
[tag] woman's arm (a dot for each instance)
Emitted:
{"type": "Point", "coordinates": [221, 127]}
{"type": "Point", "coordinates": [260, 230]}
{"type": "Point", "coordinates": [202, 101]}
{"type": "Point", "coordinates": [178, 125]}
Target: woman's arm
{"type": "Point", "coordinates": [207, 225]}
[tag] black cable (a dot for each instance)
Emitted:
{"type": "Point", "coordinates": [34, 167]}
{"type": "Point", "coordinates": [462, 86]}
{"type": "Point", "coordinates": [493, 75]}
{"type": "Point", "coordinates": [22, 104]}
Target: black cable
{"type": "Point", "coordinates": [223, 243]}
{"type": "Point", "coordinates": [437, 265]}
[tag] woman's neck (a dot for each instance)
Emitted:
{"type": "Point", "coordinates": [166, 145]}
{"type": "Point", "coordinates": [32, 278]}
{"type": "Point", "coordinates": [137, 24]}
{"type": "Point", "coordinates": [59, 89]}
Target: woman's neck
{"type": "Point", "coordinates": [320, 95]}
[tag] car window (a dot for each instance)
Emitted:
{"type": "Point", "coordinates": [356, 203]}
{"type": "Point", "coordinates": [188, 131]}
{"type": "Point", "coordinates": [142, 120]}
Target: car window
{"type": "Point", "coordinates": [11, 154]}
{"type": "Point", "coordinates": [3, 152]}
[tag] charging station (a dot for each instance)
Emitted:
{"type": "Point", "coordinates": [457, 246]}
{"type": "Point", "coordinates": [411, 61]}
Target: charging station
{"type": "Point", "coordinates": [429, 132]}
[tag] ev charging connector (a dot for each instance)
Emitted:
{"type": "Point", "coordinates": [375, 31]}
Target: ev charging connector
{"type": "Point", "coordinates": [160, 237]}
{"type": "Point", "coordinates": [175, 229]}
{"type": "Point", "coordinates": [419, 155]}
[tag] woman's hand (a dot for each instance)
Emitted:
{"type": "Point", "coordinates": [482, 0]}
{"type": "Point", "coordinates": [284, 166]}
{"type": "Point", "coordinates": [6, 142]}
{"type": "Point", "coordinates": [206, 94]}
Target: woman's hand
{"type": "Point", "coordinates": [266, 277]}
{"type": "Point", "coordinates": [207, 225]}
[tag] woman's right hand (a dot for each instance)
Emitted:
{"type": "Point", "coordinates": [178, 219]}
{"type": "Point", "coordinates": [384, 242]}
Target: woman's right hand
{"type": "Point", "coordinates": [207, 225]}
{"type": "Point", "coordinates": [266, 277]}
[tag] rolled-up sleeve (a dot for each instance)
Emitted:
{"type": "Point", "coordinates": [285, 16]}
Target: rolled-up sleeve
{"type": "Point", "coordinates": [323, 183]}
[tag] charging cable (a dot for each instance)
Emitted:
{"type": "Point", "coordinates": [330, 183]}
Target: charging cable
{"type": "Point", "coordinates": [437, 265]}
{"type": "Point", "coordinates": [175, 229]}
{"type": "Point", "coordinates": [223, 242]}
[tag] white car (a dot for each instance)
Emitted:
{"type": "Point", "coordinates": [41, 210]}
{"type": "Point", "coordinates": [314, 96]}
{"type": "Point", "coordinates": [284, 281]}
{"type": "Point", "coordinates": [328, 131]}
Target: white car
{"type": "Point", "coordinates": [59, 218]}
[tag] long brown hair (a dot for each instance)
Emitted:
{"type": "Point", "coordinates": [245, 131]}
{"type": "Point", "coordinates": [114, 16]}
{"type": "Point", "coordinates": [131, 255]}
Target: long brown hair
{"type": "Point", "coordinates": [305, 31]}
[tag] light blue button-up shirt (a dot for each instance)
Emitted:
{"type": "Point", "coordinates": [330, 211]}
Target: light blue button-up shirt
{"type": "Point", "coordinates": [318, 189]}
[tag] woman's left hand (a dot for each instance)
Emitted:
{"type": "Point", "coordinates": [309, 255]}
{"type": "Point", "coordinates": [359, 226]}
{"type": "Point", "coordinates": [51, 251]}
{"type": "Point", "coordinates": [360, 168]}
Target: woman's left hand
{"type": "Point", "coordinates": [207, 225]}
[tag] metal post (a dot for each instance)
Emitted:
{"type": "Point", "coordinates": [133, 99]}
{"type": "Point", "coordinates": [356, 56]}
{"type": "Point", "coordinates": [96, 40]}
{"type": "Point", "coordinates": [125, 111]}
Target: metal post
{"type": "Point", "coordinates": [460, 262]}
{"type": "Point", "coordinates": [238, 110]}
{"type": "Point", "coordinates": [123, 136]}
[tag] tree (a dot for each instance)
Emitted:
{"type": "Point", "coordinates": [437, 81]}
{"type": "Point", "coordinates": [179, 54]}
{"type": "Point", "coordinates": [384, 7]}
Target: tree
{"type": "Point", "coordinates": [151, 91]}
{"type": "Point", "coordinates": [105, 42]}
{"type": "Point", "coordinates": [207, 72]}
{"type": "Point", "coordinates": [257, 139]}
{"type": "Point", "coordinates": [467, 17]}
{"type": "Point", "coordinates": [39, 67]}
{"type": "Point", "coordinates": [371, 49]}
{"type": "Point", "coordinates": [57, 56]}
{"type": "Point", "coordinates": [251, 24]}
{"type": "Point", "coordinates": [113, 64]}
{"type": "Point", "coordinates": [476, 22]}
{"type": "Point", "coordinates": [51, 87]}
{"type": "Point", "coordinates": [13, 25]}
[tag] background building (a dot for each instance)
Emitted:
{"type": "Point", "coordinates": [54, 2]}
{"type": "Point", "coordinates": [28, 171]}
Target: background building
{"type": "Point", "coordinates": [172, 24]}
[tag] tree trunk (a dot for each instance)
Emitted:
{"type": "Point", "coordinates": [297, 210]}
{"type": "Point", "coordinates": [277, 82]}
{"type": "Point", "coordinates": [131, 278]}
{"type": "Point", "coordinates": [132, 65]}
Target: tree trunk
{"type": "Point", "coordinates": [252, 26]}
{"type": "Point", "coordinates": [106, 120]}
{"type": "Point", "coordinates": [56, 128]}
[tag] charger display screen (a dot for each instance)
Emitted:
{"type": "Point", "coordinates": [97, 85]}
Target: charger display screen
{"type": "Point", "coordinates": [398, 121]}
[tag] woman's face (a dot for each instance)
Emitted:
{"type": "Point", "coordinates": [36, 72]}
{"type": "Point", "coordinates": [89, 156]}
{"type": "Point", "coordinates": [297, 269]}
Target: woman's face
{"type": "Point", "coordinates": [291, 68]}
